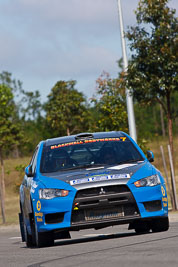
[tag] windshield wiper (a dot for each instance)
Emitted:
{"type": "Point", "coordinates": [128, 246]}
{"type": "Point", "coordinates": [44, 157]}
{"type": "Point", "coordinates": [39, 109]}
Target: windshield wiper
{"type": "Point", "coordinates": [77, 167]}
{"type": "Point", "coordinates": [90, 166]}
{"type": "Point", "coordinates": [129, 161]}
{"type": "Point", "coordinates": [85, 166]}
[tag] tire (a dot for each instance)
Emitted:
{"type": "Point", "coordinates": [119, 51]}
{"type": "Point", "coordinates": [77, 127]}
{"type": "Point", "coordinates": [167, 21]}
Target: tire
{"type": "Point", "coordinates": [63, 235]}
{"type": "Point", "coordinates": [28, 237]}
{"type": "Point", "coordinates": [44, 239]}
{"type": "Point", "coordinates": [21, 227]}
{"type": "Point", "coordinates": [160, 225]}
{"type": "Point", "coordinates": [142, 228]}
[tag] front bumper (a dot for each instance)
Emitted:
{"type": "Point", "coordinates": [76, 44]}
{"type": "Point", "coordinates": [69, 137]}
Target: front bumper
{"type": "Point", "coordinates": [101, 206]}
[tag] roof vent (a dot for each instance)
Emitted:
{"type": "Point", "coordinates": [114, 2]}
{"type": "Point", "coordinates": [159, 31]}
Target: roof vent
{"type": "Point", "coordinates": [84, 136]}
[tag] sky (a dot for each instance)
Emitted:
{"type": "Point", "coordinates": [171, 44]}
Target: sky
{"type": "Point", "coordinates": [44, 41]}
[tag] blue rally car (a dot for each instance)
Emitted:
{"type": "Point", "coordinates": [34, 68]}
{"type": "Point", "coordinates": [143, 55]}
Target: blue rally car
{"type": "Point", "coordinates": [90, 180]}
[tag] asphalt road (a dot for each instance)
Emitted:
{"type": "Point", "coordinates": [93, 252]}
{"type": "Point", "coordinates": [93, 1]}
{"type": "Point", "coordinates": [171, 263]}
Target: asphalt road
{"type": "Point", "coordinates": [113, 246]}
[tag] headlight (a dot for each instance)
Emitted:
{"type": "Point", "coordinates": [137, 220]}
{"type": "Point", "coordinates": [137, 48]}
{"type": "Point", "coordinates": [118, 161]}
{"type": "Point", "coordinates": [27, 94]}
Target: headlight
{"type": "Point", "coordinates": [149, 181]}
{"type": "Point", "coordinates": [49, 193]}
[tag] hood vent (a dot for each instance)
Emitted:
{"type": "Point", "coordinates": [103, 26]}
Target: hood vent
{"type": "Point", "coordinates": [84, 136]}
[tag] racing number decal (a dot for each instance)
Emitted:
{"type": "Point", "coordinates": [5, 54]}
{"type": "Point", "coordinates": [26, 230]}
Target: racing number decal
{"type": "Point", "coordinates": [38, 205]}
{"type": "Point", "coordinates": [123, 138]}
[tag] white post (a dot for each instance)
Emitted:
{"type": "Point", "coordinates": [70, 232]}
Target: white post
{"type": "Point", "coordinates": [166, 174]}
{"type": "Point", "coordinates": [129, 98]}
{"type": "Point", "coordinates": [173, 178]}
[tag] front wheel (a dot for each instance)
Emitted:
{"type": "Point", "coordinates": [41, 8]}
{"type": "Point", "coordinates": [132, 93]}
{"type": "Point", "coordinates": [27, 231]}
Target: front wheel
{"type": "Point", "coordinates": [24, 232]}
{"type": "Point", "coordinates": [27, 237]}
{"type": "Point", "coordinates": [43, 239]}
{"type": "Point", "coordinates": [160, 225]}
{"type": "Point", "coordinates": [142, 228]}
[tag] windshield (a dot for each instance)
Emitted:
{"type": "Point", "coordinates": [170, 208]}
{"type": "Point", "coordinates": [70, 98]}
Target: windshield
{"type": "Point", "coordinates": [88, 153]}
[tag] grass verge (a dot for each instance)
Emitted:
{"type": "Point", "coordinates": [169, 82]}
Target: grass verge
{"type": "Point", "coordinates": [13, 179]}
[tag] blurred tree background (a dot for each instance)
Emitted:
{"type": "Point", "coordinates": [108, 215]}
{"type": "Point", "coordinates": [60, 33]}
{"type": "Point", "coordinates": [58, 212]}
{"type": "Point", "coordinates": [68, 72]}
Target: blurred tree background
{"type": "Point", "coordinates": [152, 71]}
{"type": "Point", "coordinates": [151, 77]}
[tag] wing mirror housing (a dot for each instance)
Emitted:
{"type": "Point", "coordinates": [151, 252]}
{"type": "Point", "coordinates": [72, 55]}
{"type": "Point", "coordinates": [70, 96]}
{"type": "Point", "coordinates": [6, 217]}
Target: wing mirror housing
{"type": "Point", "coordinates": [150, 156]}
{"type": "Point", "coordinates": [28, 171]}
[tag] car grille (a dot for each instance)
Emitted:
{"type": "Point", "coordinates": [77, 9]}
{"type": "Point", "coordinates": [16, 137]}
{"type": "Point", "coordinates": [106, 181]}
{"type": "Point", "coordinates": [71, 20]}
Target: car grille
{"type": "Point", "coordinates": [97, 191]}
{"type": "Point", "coordinates": [107, 203]}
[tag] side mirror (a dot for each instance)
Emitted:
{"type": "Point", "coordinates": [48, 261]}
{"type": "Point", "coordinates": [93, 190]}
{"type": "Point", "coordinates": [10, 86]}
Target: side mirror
{"type": "Point", "coordinates": [150, 156]}
{"type": "Point", "coordinates": [28, 171]}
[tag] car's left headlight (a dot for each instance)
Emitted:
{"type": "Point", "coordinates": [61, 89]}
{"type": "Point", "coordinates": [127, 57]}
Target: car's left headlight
{"type": "Point", "coordinates": [49, 193]}
{"type": "Point", "coordinates": [148, 181]}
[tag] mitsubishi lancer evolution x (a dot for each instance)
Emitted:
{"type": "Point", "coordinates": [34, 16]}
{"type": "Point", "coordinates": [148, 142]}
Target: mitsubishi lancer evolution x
{"type": "Point", "coordinates": [90, 180]}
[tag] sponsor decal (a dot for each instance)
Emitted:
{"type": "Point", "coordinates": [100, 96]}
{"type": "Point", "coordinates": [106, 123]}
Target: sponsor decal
{"type": "Point", "coordinates": [97, 173]}
{"type": "Point", "coordinates": [38, 205]}
{"type": "Point", "coordinates": [39, 219]}
{"type": "Point", "coordinates": [100, 178]}
{"type": "Point", "coordinates": [165, 201]}
{"type": "Point", "coordinates": [120, 139]}
{"type": "Point", "coordinates": [34, 184]}
{"type": "Point", "coordinates": [40, 214]}
{"type": "Point", "coordinates": [163, 191]}
{"type": "Point", "coordinates": [32, 190]}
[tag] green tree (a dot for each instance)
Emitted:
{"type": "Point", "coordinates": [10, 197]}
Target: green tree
{"type": "Point", "coordinates": [66, 109]}
{"type": "Point", "coordinates": [29, 114]}
{"type": "Point", "coordinates": [110, 104]}
{"type": "Point", "coordinates": [16, 88]}
{"type": "Point", "coordinates": [32, 120]}
{"type": "Point", "coordinates": [174, 103]}
{"type": "Point", "coordinates": [152, 72]}
{"type": "Point", "coordinates": [10, 133]}
{"type": "Point", "coordinates": [6, 79]}
{"type": "Point", "coordinates": [32, 106]}
{"type": "Point", "coordinates": [148, 121]}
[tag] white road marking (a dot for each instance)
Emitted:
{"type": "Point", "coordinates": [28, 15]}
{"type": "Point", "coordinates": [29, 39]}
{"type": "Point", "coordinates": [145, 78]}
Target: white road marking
{"type": "Point", "coordinates": [15, 237]}
{"type": "Point", "coordinates": [95, 235]}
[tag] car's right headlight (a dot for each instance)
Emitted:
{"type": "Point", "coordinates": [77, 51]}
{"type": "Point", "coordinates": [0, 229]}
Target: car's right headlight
{"type": "Point", "coordinates": [49, 193]}
{"type": "Point", "coordinates": [148, 181]}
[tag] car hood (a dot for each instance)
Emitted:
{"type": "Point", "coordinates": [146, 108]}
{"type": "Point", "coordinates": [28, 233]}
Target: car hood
{"type": "Point", "coordinates": [119, 174]}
